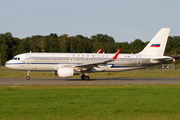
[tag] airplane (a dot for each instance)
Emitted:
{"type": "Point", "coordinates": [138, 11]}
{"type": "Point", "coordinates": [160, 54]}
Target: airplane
{"type": "Point", "coordinates": [69, 64]}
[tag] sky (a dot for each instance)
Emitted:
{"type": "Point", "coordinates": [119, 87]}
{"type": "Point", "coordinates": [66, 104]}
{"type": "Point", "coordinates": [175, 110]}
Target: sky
{"type": "Point", "coordinates": [124, 20]}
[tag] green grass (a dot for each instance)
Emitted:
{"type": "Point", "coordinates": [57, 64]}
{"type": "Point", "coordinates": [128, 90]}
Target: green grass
{"type": "Point", "coordinates": [90, 102]}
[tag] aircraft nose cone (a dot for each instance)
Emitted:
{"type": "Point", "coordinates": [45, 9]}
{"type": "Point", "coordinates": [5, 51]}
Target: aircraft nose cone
{"type": "Point", "coordinates": [7, 64]}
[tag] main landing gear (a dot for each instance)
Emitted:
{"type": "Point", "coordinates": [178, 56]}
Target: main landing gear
{"type": "Point", "coordinates": [28, 75]}
{"type": "Point", "coordinates": [85, 77]}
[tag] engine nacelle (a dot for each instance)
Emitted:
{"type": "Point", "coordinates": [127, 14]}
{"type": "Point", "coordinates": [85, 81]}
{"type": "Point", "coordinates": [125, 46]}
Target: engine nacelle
{"type": "Point", "coordinates": [65, 72]}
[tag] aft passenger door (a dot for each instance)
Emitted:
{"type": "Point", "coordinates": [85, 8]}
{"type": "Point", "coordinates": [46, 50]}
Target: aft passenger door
{"type": "Point", "coordinates": [139, 60]}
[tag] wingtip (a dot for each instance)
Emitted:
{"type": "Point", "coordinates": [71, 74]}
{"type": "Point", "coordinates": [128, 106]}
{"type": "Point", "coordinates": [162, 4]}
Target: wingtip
{"type": "Point", "coordinates": [116, 55]}
{"type": "Point", "coordinates": [99, 50]}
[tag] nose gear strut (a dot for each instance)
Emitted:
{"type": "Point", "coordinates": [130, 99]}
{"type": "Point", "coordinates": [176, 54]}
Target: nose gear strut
{"type": "Point", "coordinates": [28, 75]}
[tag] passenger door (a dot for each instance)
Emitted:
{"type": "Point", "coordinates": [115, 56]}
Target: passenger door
{"type": "Point", "coordinates": [139, 60]}
{"type": "Point", "coordinates": [28, 59]}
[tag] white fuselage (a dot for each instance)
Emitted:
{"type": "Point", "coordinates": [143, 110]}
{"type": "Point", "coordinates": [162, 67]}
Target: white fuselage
{"type": "Point", "coordinates": [52, 61]}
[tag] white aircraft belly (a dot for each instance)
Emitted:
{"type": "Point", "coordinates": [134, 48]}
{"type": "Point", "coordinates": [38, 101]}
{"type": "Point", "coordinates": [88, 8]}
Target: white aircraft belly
{"type": "Point", "coordinates": [38, 67]}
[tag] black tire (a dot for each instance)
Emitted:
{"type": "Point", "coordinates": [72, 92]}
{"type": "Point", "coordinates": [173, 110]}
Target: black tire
{"type": "Point", "coordinates": [27, 78]}
{"type": "Point", "coordinates": [82, 77]}
{"type": "Point", "coordinates": [86, 77]}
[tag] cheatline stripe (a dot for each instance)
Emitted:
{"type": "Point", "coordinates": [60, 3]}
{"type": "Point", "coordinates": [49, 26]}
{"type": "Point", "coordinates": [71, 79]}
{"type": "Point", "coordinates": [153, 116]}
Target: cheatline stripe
{"type": "Point", "coordinates": [65, 63]}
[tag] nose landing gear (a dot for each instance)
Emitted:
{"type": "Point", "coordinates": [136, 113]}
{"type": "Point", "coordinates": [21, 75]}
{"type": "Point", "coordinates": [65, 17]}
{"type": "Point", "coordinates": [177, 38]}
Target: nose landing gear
{"type": "Point", "coordinates": [28, 75]}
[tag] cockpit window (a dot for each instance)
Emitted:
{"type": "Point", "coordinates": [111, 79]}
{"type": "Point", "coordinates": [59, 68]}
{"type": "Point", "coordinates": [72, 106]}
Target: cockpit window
{"type": "Point", "coordinates": [16, 58]}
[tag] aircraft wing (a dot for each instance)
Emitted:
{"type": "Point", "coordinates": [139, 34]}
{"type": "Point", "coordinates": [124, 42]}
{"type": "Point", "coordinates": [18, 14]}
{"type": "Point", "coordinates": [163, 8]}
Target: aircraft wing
{"type": "Point", "coordinates": [95, 64]}
{"type": "Point", "coordinates": [91, 65]}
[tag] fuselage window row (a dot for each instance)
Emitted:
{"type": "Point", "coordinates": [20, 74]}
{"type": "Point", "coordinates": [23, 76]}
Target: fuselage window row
{"type": "Point", "coordinates": [123, 60]}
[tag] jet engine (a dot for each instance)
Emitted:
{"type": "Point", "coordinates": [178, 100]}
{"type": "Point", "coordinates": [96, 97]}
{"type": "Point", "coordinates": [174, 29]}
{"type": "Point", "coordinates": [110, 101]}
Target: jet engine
{"type": "Point", "coordinates": [65, 72]}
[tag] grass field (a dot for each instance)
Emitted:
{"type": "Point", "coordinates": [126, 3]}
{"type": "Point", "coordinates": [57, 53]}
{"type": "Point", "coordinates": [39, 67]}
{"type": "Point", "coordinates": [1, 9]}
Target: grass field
{"type": "Point", "coordinates": [90, 102]}
{"type": "Point", "coordinates": [7, 73]}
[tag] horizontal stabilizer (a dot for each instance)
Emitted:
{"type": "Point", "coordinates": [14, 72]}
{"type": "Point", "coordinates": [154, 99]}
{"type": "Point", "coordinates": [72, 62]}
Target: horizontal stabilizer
{"type": "Point", "coordinates": [161, 59]}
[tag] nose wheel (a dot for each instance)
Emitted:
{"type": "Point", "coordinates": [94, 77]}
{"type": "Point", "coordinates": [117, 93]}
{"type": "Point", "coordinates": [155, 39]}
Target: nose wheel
{"type": "Point", "coordinates": [27, 78]}
{"type": "Point", "coordinates": [85, 77]}
{"type": "Point", "coordinates": [28, 75]}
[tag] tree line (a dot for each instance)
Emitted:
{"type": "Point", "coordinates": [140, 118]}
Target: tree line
{"type": "Point", "coordinates": [11, 46]}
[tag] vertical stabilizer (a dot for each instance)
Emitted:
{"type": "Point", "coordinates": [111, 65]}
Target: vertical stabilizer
{"type": "Point", "coordinates": [157, 45]}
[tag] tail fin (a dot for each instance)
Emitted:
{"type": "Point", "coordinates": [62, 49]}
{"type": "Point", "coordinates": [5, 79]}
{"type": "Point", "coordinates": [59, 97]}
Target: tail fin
{"type": "Point", "coordinates": [157, 45]}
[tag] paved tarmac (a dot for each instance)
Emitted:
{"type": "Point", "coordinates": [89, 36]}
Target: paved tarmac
{"type": "Point", "coordinates": [23, 81]}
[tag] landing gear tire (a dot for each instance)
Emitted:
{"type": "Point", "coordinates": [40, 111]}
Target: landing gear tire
{"type": "Point", "coordinates": [27, 78]}
{"type": "Point", "coordinates": [86, 77]}
{"type": "Point", "coordinates": [82, 77]}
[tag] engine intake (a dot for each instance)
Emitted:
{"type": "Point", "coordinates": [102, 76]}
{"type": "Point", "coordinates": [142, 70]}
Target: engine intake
{"type": "Point", "coordinates": [65, 72]}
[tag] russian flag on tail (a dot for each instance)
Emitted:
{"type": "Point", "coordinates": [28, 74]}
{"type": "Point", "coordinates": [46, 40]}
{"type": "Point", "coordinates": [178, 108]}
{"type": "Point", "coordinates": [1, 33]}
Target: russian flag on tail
{"type": "Point", "coordinates": [155, 45]}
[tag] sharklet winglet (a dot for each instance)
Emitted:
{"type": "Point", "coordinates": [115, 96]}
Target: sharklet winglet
{"type": "Point", "coordinates": [99, 51]}
{"type": "Point", "coordinates": [116, 55]}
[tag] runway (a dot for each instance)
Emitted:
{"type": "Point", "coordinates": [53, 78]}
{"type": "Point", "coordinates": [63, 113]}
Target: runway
{"type": "Point", "coordinates": [66, 81]}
